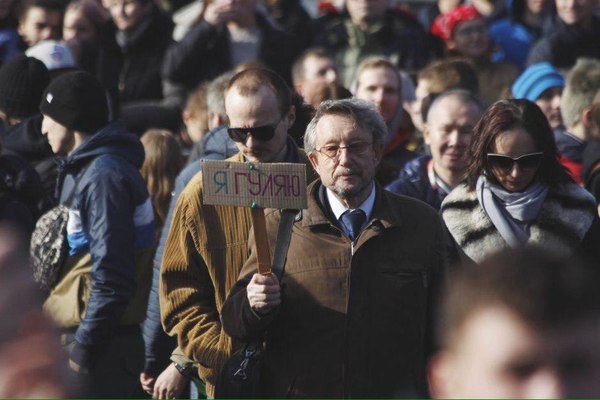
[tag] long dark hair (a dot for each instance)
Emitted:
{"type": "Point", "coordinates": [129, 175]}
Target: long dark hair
{"type": "Point", "coordinates": [505, 115]}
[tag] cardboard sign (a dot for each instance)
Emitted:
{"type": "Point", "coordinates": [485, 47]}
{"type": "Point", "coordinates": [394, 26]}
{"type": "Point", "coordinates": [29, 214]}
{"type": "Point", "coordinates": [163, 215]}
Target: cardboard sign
{"type": "Point", "coordinates": [258, 185]}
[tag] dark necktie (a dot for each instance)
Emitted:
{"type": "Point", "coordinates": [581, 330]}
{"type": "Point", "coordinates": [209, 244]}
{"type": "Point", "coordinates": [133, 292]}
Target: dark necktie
{"type": "Point", "coordinates": [352, 221]}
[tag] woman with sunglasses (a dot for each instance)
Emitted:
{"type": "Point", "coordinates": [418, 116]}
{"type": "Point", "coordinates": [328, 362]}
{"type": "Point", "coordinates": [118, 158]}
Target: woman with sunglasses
{"type": "Point", "coordinates": [516, 192]}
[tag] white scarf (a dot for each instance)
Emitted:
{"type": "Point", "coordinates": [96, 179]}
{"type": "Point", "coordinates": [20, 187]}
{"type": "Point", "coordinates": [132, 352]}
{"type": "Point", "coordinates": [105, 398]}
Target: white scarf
{"type": "Point", "coordinates": [511, 212]}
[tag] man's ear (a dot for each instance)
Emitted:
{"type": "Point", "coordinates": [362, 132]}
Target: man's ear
{"type": "Point", "coordinates": [298, 89]}
{"type": "Point", "coordinates": [314, 160]}
{"type": "Point", "coordinates": [186, 115]}
{"type": "Point", "coordinates": [586, 117]}
{"type": "Point", "coordinates": [426, 134]}
{"type": "Point", "coordinates": [291, 117]}
{"type": "Point", "coordinates": [378, 151]}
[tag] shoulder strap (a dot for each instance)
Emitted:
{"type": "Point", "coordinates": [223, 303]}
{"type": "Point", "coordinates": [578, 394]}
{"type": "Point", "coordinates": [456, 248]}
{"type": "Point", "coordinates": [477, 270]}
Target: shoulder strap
{"type": "Point", "coordinates": [284, 236]}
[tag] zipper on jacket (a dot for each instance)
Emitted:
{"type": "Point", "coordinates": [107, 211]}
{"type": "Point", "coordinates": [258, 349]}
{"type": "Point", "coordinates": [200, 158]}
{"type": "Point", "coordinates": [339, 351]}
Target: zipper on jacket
{"type": "Point", "coordinates": [425, 279]}
{"type": "Point", "coordinates": [346, 344]}
{"type": "Point", "coordinates": [122, 75]}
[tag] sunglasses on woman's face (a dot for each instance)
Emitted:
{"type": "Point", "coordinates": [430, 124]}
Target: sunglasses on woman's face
{"type": "Point", "coordinates": [260, 133]}
{"type": "Point", "coordinates": [506, 163]}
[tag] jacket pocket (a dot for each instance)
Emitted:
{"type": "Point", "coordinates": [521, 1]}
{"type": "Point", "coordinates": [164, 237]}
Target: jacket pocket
{"type": "Point", "coordinates": [407, 275]}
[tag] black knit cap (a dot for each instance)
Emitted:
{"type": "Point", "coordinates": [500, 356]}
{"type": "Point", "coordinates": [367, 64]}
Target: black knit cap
{"type": "Point", "coordinates": [76, 100]}
{"type": "Point", "coordinates": [22, 82]}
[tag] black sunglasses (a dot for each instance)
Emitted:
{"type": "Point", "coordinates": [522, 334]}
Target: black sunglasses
{"type": "Point", "coordinates": [260, 133]}
{"type": "Point", "coordinates": [506, 163]}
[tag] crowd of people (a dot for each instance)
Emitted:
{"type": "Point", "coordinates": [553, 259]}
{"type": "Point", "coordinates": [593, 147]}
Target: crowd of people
{"type": "Point", "coordinates": [451, 240]}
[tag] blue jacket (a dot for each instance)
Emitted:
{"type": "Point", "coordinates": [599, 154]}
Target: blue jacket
{"type": "Point", "coordinates": [414, 182]}
{"type": "Point", "coordinates": [111, 217]}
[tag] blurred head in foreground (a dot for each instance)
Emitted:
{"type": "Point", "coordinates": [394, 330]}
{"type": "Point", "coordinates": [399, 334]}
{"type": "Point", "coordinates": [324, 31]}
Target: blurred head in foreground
{"type": "Point", "coordinates": [523, 324]}
{"type": "Point", "coordinates": [32, 362]}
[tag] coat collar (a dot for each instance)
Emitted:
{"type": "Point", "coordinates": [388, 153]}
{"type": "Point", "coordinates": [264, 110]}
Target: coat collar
{"type": "Point", "coordinates": [384, 215]}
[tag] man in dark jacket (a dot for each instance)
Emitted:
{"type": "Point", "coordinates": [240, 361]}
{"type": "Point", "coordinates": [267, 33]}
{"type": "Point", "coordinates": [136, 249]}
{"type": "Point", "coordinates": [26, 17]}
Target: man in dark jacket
{"type": "Point", "coordinates": [129, 60]}
{"type": "Point", "coordinates": [372, 28]}
{"type": "Point", "coordinates": [102, 291]}
{"type": "Point", "coordinates": [350, 317]}
{"type": "Point", "coordinates": [229, 34]}
{"type": "Point", "coordinates": [448, 130]}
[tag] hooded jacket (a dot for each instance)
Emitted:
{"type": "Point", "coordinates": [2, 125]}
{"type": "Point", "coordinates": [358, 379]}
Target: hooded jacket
{"type": "Point", "coordinates": [111, 218]}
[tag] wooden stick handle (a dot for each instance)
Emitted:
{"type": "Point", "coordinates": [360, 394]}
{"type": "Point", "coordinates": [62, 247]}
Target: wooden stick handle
{"type": "Point", "coordinates": [262, 243]}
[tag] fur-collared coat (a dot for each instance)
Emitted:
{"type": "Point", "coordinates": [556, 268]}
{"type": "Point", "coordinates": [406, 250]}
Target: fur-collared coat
{"type": "Point", "coordinates": [567, 223]}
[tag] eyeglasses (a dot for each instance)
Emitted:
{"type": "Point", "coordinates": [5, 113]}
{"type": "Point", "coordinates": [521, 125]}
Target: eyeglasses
{"type": "Point", "coordinates": [506, 163]}
{"type": "Point", "coordinates": [333, 151]}
{"type": "Point", "coordinates": [260, 133]}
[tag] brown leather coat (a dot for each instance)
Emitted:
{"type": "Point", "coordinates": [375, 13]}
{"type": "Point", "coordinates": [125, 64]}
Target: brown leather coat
{"type": "Point", "coordinates": [205, 251]}
{"type": "Point", "coordinates": [350, 325]}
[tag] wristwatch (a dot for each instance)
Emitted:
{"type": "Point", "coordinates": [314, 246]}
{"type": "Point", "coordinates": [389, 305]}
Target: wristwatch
{"type": "Point", "coordinates": [187, 370]}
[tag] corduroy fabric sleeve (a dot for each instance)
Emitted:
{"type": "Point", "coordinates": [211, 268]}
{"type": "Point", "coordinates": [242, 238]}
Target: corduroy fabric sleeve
{"type": "Point", "coordinates": [187, 291]}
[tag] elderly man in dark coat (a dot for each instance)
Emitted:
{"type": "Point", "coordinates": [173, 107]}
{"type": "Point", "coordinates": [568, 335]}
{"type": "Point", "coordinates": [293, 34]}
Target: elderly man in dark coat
{"type": "Point", "coordinates": [350, 317]}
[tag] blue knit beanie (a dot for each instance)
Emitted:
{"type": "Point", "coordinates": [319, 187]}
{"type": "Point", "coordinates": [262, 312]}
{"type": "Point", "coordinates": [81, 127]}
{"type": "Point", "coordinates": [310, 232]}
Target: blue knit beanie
{"type": "Point", "coordinates": [535, 80]}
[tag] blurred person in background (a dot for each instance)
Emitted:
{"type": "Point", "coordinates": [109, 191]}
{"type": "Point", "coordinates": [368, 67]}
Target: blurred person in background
{"type": "Point", "coordinates": [83, 26]}
{"type": "Point", "coordinates": [228, 33]}
{"type": "Point", "coordinates": [133, 49]}
{"type": "Point", "coordinates": [523, 324]}
{"type": "Point", "coordinates": [39, 20]}
{"type": "Point", "coordinates": [367, 28]}
{"type": "Point", "coordinates": [448, 131]}
{"type": "Point", "coordinates": [162, 164]}
{"type": "Point", "coordinates": [542, 84]}
{"type": "Point", "coordinates": [22, 83]}
{"type": "Point", "coordinates": [582, 85]}
{"type": "Point", "coordinates": [167, 370]}
{"type": "Point", "coordinates": [590, 172]}
{"type": "Point", "coordinates": [574, 34]}
{"type": "Point", "coordinates": [516, 192]}
{"type": "Point", "coordinates": [195, 118]}
{"type": "Point", "coordinates": [515, 34]}
{"type": "Point", "coordinates": [312, 72]}
{"type": "Point", "coordinates": [435, 78]}
{"type": "Point", "coordinates": [10, 41]}
{"type": "Point", "coordinates": [427, 13]}
{"type": "Point", "coordinates": [215, 143]}
{"type": "Point", "coordinates": [379, 82]}
{"type": "Point", "coordinates": [465, 33]}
